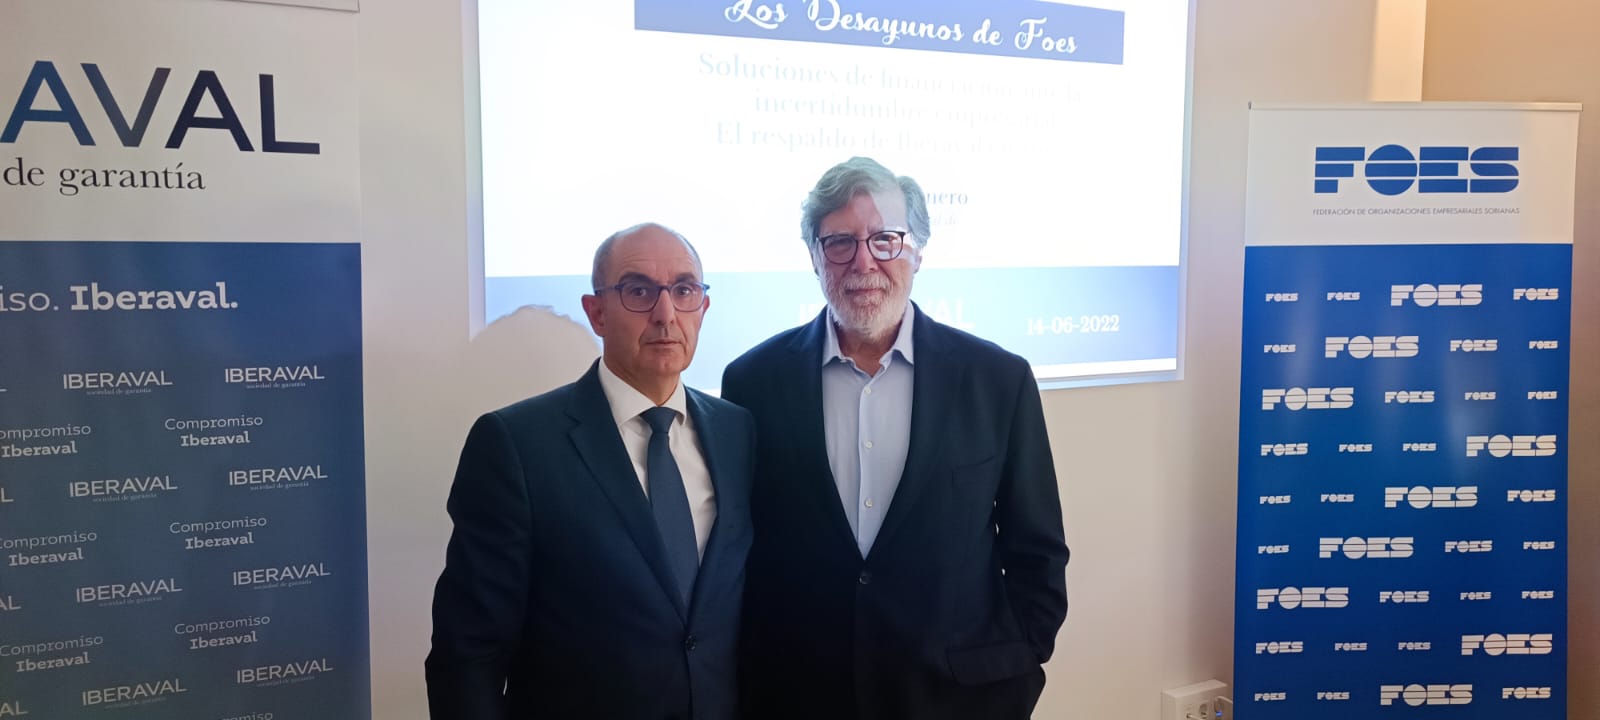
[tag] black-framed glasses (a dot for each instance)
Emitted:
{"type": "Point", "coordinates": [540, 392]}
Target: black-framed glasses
{"type": "Point", "coordinates": [640, 296]}
{"type": "Point", "coordinates": [885, 245]}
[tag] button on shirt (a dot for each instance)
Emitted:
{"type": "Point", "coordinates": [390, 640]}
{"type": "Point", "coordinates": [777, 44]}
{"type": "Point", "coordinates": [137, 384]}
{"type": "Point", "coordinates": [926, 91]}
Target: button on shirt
{"type": "Point", "coordinates": [626, 405]}
{"type": "Point", "coordinates": [866, 420]}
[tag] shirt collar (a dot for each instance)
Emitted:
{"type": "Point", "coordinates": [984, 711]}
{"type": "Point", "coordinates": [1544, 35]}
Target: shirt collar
{"type": "Point", "coordinates": [627, 403]}
{"type": "Point", "coordinates": [902, 341]}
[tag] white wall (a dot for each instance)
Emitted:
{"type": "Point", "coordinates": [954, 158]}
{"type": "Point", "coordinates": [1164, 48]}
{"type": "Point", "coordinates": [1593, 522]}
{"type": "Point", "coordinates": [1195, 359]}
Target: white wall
{"type": "Point", "coordinates": [1147, 471]}
{"type": "Point", "coordinates": [1398, 33]}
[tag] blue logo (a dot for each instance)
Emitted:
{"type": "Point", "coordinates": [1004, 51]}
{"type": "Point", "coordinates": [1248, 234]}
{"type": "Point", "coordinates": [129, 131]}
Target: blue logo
{"type": "Point", "coordinates": [1394, 169]}
{"type": "Point", "coordinates": [46, 78]}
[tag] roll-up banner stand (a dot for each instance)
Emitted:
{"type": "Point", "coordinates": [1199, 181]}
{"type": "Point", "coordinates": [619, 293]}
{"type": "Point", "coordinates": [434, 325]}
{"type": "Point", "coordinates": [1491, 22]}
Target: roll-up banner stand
{"type": "Point", "coordinates": [1402, 537]}
{"type": "Point", "coordinates": [182, 485]}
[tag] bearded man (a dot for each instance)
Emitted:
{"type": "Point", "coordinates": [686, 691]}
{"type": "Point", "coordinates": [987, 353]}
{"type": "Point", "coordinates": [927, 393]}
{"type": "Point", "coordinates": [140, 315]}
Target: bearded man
{"type": "Point", "coordinates": [909, 559]}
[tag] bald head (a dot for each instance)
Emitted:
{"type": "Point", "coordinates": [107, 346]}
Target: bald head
{"type": "Point", "coordinates": [647, 346]}
{"type": "Point", "coordinates": [601, 272]}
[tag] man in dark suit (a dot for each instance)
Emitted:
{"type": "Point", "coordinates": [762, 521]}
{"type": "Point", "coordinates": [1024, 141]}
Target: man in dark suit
{"type": "Point", "coordinates": [909, 559]}
{"type": "Point", "coordinates": [596, 569]}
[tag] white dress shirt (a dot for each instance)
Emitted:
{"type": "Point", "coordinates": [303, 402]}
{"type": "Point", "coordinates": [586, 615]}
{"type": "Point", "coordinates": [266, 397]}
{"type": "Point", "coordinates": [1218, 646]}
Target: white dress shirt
{"type": "Point", "coordinates": [626, 406]}
{"type": "Point", "coordinates": [866, 420]}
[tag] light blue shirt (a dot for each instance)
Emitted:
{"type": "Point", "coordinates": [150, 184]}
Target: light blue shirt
{"type": "Point", "coordinates": [867, 424]}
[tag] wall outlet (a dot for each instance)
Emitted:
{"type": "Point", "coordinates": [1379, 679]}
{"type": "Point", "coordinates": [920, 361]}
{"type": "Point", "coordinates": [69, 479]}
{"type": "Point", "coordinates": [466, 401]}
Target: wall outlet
{"type": "Point", "coordinates": [1197, 702]}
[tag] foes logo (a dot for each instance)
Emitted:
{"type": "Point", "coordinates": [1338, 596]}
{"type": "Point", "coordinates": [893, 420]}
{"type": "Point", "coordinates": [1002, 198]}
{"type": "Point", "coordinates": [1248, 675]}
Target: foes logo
{"type": "Point", "coordinates": [1282, 647]}
{"type": "Point", "coordinates": [1317, 398]}
{"type": "Point", "coordinates": [1535, 294]}
{"type": "Point", "coordinates": [1290, 598]}
{"type": "Point", "coordinates": [1394, 169]}
{"type": "Point", "coordinates": [1471, 345]}
{"type": "Point", "coordinates": [1513, 445]}
{"type": "Point", "coordinates": [1508, 644]}
{"type": "Point", "coordinates": [1525, 693]}
{"type": "Point", "coordinates": [1357, 548]}
{"type": "Point", "coordinates": [1419, 695]}
{"type": "Point", "coordinates": [1443, 295]}
{"type": "Point", "coordinates": [1421, 497]}
{"type": "Point", "coordinates": [1378, 346]}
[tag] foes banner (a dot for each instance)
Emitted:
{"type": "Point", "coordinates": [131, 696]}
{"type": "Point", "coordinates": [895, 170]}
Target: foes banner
{"type": "Point", "coordinates": [1403, 414]}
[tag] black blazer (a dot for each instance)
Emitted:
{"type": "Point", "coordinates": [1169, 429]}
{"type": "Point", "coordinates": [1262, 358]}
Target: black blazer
{"type": "Point", "coordinates": [957, 605]}
{"type": "Point", "coordinates": [557, 600]}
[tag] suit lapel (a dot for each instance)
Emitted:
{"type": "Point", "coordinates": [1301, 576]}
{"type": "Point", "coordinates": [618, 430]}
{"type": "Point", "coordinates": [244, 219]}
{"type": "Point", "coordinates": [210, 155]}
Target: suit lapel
{"type": "Point", "coordinates": [598, 442]}
{"type": "Point", "coordinates": [803, 397]}
{"type": "Point", "coordinates": [938, 377]}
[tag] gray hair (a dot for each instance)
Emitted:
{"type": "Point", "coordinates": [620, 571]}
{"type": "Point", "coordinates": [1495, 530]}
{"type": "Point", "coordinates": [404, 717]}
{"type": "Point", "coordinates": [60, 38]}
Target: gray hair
{"type": "Point", "coordinates": [602, 254]}
{"type": "Point", "coordinates": [844, 181]}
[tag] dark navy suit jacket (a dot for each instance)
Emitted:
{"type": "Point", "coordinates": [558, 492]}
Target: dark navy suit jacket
{"type": "Point", "coordinates": [957, 604]}
{"type": "Point", "coordinates": [557, 600]}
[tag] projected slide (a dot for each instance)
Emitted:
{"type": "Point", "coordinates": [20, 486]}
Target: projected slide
{"type": "Point", "coordinates": [1049, 138]}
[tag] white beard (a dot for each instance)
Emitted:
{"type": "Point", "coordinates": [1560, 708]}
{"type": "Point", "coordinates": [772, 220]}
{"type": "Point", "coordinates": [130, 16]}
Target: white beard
{"type": "Point", "coordinates": [871, 319]}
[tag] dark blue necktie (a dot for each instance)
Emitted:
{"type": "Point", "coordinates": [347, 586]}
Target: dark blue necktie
{"type": "Point", "coordinates": [669, 502]}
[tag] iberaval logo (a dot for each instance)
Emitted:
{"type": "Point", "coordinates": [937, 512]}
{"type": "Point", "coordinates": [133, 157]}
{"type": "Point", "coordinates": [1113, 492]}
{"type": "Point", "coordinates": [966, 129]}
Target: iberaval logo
{"type": "Point", "coordinates": [206, 90]}
{"type": "Point", "coordinates": [1395, 169]}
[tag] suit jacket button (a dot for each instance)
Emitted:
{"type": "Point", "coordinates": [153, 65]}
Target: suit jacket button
{"type": "Point", "coordinates": [865, 578]}
{"type": "Point", "coordinates": [689, 643]}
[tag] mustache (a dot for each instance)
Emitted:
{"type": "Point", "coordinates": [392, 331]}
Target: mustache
{"type": "Point", "coordinates": [865, 282]}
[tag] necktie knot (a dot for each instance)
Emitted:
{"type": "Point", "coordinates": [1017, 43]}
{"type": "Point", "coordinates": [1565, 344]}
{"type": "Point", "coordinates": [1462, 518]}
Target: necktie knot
{"type": "Point", "coordinates": [659, 419]}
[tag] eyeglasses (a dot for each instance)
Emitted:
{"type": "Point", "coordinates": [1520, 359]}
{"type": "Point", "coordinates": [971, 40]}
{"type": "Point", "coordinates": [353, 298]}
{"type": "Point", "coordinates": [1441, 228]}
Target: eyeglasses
{"type": "Point", "coordinates": [642, 297]}
{"type": "Point", "coordinates": [840, 248]}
